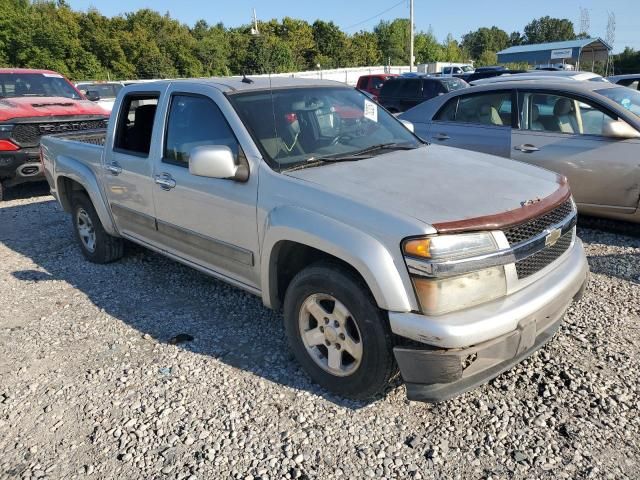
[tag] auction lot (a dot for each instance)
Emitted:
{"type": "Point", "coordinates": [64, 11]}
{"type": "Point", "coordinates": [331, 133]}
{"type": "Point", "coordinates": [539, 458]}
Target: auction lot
{"type": "Point", "coordinates": [99, 377]}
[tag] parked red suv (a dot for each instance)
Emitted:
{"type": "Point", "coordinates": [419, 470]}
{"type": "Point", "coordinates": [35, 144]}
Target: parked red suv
{"type": "Point", "coordinates": [35, 103]}
{"type": "Point", "coordinates": [373, 83]}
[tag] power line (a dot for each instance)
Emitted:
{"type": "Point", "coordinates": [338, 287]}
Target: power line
{"type": "Point", "coordinates": [375, 16]}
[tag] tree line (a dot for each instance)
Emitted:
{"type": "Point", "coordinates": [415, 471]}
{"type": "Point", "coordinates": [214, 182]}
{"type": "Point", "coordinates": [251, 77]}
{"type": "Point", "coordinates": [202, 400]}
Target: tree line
{"type": "Point", "coordinates": [147, 44]}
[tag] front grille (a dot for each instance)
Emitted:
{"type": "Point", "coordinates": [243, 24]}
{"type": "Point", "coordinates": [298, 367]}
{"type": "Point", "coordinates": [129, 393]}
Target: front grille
{"type": "Point", "coordinates": [527, 230]}
{"type": "Point", "coordinates": [545, 257]}
{"type": "Point", "coordinates": [28, 134]}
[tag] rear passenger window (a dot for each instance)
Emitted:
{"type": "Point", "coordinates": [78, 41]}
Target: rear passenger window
{"type": "Point", "coordinates": [362, 83]}
{"type": "Point", "coordinates": [410, 88]}
{"type": "Point", "coordinates": [135, 123]}
{"type": "Point", "coordinates": [195, 121]}
{"type": "Point", "coordinates": [493, 109]}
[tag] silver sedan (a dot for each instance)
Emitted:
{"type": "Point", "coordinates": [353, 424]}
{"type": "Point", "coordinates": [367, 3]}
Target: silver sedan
{"type": "Point", "coordinates": [588, 131]}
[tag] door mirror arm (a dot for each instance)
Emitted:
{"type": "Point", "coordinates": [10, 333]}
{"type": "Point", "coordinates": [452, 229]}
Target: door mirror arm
{"type": "Point", "coordinates": [217, 161]}
{"type": "Point", "coordinates": [619, 129]}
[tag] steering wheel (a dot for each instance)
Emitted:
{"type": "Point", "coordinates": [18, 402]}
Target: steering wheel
{"type": "Point", "coordinates": [337, 139]}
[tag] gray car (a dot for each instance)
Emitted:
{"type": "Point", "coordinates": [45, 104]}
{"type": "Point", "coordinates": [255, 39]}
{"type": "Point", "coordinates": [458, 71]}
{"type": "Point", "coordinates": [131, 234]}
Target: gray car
{"type": "Point", "coordinates": [588, 131]}
{"type": "Point", "coordinates": [631, 80]}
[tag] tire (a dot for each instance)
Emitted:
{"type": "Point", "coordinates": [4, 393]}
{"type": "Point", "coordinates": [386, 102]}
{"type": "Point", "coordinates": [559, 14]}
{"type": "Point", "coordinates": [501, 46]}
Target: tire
{"type": "Point", "coordinates": [106, 248]}
{"type": "Point", "coordinates": [3, 192]}
{"type": "Point", "coordinates": [360, 378]}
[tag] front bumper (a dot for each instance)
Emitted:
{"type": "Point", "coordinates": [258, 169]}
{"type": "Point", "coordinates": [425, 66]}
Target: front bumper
{"type": "Point", "coordinates": [468, 348]}
{"type": "Point", "coordinates": [20, 166]}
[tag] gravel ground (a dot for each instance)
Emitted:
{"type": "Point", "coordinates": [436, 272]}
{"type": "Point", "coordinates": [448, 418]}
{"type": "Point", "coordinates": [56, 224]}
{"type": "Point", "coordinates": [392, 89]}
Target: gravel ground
{"type": "Point", "coordinates": [94, 383]}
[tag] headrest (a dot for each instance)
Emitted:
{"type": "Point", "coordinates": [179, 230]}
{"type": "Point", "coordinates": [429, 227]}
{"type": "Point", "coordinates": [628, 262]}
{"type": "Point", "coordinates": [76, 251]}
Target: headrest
{"type": "Point", "coordinates": [145, 114]}
{"type": "Point", "coordinates": [562, 107]}
{"type": "Point", "coordinates": [535, 113]}
{"type": "Point", "coordinates": [486, 109]}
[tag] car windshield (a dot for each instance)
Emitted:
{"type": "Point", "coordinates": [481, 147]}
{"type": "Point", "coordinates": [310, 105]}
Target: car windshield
{"type": "Point", "coordinates": [454, 84]}
{"type": "Point", "coordinates": [104, 90]}
{"type": "Point", "coordinates": [625, 97]}
{"type": "Point", "coordinates": [295, 127]}
{"type": "Point", "coordinates": [467, 68]}
{"type": "Point", "coordinates": [36, 85]}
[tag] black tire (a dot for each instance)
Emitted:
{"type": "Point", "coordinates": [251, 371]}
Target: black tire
{"type": "Point", "coordinates": [3, 192]}
{"type": "Point", "coordinates": [377, 366]}
{"type": "Point", "coordinates": [107, 248]}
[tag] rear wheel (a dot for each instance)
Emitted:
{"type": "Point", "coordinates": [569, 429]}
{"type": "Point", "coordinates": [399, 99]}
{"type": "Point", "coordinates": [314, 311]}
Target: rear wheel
{"type": "Point", "coordinates": [96, 245]}
{"type": "Point", "coordinates": [337, 332]}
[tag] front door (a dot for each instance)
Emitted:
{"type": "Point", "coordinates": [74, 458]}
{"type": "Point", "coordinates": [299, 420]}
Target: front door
{"type": "Point", "coordinates": [208, 221]}
{"type": "Point", "coordinates": [566, 135]}
{"type": "Point", "coordinates": [128, 166]}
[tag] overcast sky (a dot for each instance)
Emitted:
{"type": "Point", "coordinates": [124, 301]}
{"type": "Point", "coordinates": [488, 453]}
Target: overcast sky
{"type": "Point", "coordinates": [456, 17]}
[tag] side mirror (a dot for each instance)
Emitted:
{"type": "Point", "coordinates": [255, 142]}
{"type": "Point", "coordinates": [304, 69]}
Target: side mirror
{"type": "Point", "coordinates": [92, 95]}
{"type": "Point", "coordinates": [408, 125]}
{"type": "Point", "coordinates": [213, 161]}
{"type": "Point", "coordinates": [619, 129]}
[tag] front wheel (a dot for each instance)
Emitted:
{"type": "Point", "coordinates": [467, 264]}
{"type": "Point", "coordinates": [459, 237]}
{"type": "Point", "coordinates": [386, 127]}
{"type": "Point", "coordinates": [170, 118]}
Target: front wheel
{"type": "Point", "coordinates": [96, 245]}
{"type": "Point", "coordinates": [337, 332]}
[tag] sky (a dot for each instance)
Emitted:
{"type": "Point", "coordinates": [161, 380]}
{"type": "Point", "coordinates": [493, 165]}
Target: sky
{"type": "Point", "coordinates": [456, 16]}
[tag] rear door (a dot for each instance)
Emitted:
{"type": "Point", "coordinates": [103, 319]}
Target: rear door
{"type": "Point", "coordinates": [566, 134]}
{"type": "Point", "coordinates": [480, 122]}
{"type": "Point", "coordinates": [128, 168]}
{"type": "Point", "coordinates": [208, 221]}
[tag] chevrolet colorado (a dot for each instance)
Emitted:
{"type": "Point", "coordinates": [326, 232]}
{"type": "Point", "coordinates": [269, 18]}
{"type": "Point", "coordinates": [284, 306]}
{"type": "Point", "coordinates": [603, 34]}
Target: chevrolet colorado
{"type": "Point", "coordinates": [385, 254]}
{"type": "Point", "coordinates": [35, 103]}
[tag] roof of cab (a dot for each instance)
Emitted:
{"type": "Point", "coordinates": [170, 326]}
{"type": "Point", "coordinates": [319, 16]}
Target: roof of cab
{"type": "Point", "coordinates": [236, 84]}
{"type": "Point", "coordinates": [26, 70]}
{"type": "Point", "coordinates": [551, 84]}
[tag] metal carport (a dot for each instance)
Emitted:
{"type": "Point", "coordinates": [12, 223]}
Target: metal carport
{"type": "Point", "coordinates": [585, 52]}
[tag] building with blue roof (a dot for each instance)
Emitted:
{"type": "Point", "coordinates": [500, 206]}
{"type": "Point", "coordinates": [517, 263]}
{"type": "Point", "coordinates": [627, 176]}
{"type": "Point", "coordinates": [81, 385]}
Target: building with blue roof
{"type": "Point", "coordinates": [583, 53]}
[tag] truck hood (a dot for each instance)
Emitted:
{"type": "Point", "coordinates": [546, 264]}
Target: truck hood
{"type": "Point", "coordinates": [25, 107]}
{"type": "Point", "coordinates": [437, 185]}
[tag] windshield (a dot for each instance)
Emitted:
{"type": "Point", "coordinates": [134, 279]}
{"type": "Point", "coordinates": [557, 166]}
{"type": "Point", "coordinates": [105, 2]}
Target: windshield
{"type": "Point", "coordinates": [104, 90]}
{"type": "Point", "coordinates": [467, 68]}
{"type": "Point", "coordinates": [454, 84]}
{"type": "Point", "coordinates": [36, 85]}
{"type": "Point", "coordinates": [623, 96]}
{"type": "Point", "coordinates": [296, 126]}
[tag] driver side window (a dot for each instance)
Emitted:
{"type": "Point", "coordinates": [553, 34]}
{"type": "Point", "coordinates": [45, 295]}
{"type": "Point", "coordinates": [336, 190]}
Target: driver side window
{"type": "Point", "coordinates": [195, 121]}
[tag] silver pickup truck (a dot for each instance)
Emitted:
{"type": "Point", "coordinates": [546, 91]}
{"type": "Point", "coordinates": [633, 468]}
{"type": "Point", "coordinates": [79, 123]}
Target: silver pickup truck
{"type": "Point", "coordinates": [385, 254]}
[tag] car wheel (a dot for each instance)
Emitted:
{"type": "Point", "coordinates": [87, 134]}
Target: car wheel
{"type": "Point", "coordinates": [337, 332]}
{"type": "Point", "coordinates": [3, 192]}
{"type": "Point", "coordinates": [96, 245]}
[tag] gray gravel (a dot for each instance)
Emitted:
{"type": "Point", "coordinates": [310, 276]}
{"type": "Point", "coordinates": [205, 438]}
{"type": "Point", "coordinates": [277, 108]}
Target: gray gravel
{"type": "Point", "coordinates": [96, 381]}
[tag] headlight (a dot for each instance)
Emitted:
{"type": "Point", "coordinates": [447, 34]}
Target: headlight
{"type": "Point", "coordinates": [442, 295]}
{"type": "Point", "coordinates": [450, 246]}
{"type": "Point", "coordinates": [438, 296]}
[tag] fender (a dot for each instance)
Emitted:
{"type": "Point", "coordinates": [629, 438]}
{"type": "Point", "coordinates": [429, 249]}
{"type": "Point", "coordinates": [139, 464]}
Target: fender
{"type": "Point", "coordinates": [68, 167]}
{"type": "Point", "coordinates": [363, 252]}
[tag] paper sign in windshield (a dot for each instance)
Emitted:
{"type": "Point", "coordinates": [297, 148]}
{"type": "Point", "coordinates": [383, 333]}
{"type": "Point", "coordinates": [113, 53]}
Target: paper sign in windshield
{"type": "Point", "coordinates": [371, 111]}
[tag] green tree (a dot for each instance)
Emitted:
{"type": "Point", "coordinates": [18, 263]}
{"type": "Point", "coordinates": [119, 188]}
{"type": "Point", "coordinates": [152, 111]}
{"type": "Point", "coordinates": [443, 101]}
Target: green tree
{"type": "Point", "coordinates": [427, 48]}
{"type": "Point", "coordinates": [393, 40]}
{"type": "Point", "coordinates": [548, 29]}
{"type": "Point", "coordinates": [485, 39]}
{"type": "Point", "coordinates": [627, 62]}
{"type": "Point", "coordinates": [330, 42]}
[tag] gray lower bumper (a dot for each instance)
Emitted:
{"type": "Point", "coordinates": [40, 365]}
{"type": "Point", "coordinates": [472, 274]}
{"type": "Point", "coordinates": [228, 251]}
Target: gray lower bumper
{"type": "Point", "coordinates": [433, 373]}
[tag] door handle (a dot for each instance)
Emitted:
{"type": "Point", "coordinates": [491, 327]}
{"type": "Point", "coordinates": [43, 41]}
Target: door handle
{"type": "Point", "coordinates": [114, 168]}
{"type": "Point", "coordinates": [165, 181]}
{"type": "Point", "coordinates": [442, 136]}
{"type": "Point", "coordinates": [527, 148]}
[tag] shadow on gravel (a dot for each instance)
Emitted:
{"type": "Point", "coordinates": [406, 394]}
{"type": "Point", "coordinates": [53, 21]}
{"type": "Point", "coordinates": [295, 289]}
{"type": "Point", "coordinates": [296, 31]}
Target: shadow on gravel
{"type": "Point", "coordinates": [623, 266]}
{"type": "Point", "coordinates": [160, 298]}
{"type": "Point", "coordinates": [27, 190]}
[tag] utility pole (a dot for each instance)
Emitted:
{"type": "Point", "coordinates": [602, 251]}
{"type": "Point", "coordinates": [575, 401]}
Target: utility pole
{"type": "Point", "coordinates": [254, 30]}
{"type": "Point", "coordinates": [411, 31]}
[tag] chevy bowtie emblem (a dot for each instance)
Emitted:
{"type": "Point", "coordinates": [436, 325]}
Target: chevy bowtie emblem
{"type": "Point", "coordinates": [530, 202]}
{"type": "Point", "coordinates": [552, 237]}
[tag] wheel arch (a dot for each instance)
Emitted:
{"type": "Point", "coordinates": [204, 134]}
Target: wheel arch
{"type": "Point", "coordinates": [74, 176]}
{"type": "Point", "coordinates": [294, 238]}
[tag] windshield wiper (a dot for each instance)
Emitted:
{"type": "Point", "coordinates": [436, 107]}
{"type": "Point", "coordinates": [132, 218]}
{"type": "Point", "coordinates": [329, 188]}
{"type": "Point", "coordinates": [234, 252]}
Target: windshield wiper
{"type": "Point", "coordinates": [380, 146]}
